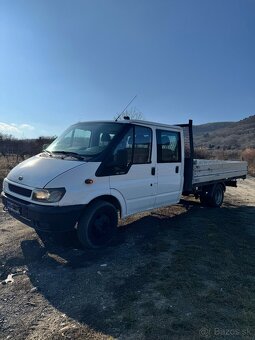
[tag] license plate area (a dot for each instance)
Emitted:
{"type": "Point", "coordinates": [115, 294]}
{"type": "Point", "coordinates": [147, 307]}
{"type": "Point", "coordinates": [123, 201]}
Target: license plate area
{"type": "Point", "coordinates": [13, 207]}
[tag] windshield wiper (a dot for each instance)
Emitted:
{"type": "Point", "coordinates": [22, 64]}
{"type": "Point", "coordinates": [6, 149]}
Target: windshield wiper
{"type": "Point", "coordinates": [69, 153]}
{"type": "Point", "coordinates": [48, 152]}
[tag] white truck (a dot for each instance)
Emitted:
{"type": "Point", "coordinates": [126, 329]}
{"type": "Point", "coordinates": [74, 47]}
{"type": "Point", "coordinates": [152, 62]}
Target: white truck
{"type": "Point", "coordinates": [96, 172]}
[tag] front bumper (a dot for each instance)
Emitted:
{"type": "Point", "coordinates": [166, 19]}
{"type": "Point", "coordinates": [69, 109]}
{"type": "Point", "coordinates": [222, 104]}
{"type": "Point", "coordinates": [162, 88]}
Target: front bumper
{"type": "Point", "coordinates": [41, 217]}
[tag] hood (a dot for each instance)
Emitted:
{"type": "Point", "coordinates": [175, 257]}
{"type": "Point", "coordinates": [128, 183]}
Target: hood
{"type": "Point", "coordinates": [37, 171]}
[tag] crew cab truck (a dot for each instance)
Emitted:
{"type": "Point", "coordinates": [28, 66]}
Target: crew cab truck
{"type": "Point", "coordinates": [96, 172]}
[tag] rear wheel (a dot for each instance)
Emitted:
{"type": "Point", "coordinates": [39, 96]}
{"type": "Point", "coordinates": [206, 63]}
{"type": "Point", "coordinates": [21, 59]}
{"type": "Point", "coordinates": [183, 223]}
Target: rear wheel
{"type": "Point", "coordinates": [98, 225]}
{"type": "Point", "coordinates": [213, 197]}
{"type": "Point", "coordinates": [217, 196]}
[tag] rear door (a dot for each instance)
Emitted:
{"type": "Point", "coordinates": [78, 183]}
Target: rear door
{"type": "Point", "coordinates": [169, 167]}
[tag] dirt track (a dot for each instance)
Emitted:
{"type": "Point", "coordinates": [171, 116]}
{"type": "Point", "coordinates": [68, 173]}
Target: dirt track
{"type": "Point", "coordinates": [181, 272]}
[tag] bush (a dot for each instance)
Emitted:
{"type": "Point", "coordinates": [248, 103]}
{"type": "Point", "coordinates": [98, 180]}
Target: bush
{"type": "Point", "coordinates": [203, 153]}
{"type": "Point", "coordinates": [248, 155]}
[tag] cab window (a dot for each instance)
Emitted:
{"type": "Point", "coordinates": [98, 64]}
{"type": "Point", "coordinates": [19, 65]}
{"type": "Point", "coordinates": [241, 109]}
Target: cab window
{"type": "Point", "coordinates": [133, 148]}
{"type": "Point", "coordinates": [168, 146]}
{"type": "Point", "coordinates": [142, 146]}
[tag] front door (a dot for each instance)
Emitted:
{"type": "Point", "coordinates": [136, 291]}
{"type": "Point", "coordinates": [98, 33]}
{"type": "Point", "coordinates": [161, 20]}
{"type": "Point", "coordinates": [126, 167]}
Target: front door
{"type": "Point", "coordinates": [133, 176]}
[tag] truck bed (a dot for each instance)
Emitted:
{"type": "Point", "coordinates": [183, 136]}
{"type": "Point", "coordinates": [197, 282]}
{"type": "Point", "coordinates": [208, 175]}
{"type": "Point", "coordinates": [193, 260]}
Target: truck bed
{"type": "Point", "coordinates": [205, 171]}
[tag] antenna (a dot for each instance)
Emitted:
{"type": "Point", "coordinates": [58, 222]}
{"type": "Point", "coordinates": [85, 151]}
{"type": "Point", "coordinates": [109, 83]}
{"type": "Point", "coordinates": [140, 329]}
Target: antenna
{"type": "Point", "coordinates": [125, 108]}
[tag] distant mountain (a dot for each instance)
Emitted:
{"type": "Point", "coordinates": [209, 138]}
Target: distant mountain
{"type": "Point", "coordinates": [210, 127]}
{"type": "Point", "coordinates": [226, 135]}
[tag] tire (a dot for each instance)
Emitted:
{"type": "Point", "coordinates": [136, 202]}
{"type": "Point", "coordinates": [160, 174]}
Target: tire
{"type": "Point", "coordinates": [214, 197]}
{"type": "Point", "coordinates": [217, 196]}
{"type": "Point", "coordinates": [98, 225]}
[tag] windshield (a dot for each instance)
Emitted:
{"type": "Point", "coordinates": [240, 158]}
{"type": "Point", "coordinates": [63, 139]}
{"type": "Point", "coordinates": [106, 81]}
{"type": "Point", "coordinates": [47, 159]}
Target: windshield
{"type": "Point", "coordinates": [85, 139]}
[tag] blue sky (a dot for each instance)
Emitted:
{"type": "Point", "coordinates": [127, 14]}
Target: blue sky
{"type": "Point", "coordinates": [68, 61]}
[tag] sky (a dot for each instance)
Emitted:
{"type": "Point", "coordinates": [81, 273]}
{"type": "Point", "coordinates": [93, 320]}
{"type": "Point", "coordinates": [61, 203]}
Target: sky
{"type": "Point", "coordinates": [67, 61]}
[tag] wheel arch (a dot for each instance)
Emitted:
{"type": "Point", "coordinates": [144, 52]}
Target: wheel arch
{"type": "Point", "coordinates": [209, 188]}
{"type": "Point", "coordinates": [110, 199]}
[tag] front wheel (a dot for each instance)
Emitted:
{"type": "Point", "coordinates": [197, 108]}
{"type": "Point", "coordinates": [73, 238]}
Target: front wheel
{"type": "Point", "coordinates": [98, 225]}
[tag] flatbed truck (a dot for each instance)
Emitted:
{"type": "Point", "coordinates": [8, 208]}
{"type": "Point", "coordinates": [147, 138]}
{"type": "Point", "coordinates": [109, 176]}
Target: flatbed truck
{"type": "Point", "coordinates": [97, 172]}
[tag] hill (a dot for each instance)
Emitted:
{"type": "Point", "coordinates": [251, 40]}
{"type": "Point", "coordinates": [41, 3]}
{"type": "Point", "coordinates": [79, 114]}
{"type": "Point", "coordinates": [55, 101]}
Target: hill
{"type": "Point", "coordinates": [226, 135]}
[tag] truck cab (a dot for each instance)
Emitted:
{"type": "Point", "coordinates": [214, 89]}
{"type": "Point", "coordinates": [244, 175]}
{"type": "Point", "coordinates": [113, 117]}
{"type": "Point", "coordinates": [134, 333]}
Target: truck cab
{"type": "Point", "coordinates": [117, 168]}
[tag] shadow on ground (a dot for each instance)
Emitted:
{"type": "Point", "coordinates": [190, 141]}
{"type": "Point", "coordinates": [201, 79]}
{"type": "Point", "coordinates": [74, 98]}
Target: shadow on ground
{"type": "Point", "coordinates": [171, 273]}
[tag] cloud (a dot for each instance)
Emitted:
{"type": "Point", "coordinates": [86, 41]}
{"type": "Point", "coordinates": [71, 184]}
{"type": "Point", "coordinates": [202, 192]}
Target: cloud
{"type": "Point", "coordinates": [8, 128]}
{"type": "Point", "coordinates": [17, 130]}
{"type": "Point", "coordinates": [26, 126]}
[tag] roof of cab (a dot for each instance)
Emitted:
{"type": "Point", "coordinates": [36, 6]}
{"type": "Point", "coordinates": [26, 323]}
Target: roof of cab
{"type": "Point", "coordinates": [134, 121]}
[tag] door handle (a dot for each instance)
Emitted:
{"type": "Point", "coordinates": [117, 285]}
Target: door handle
{"type": "Point", "coordinates": [177, 169]}
{"type": "Point", "coordinates": [153, 171]}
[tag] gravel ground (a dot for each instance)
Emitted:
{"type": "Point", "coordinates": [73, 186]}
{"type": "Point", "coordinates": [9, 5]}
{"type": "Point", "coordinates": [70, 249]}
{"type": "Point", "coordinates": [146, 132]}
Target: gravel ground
{"type": "Point", "coordinates": [182, 272]}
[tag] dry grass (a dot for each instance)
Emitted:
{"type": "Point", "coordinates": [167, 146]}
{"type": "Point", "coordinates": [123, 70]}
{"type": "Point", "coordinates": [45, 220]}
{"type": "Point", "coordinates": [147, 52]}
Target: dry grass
{"type": "Point", "coordinates": [173, 272]}
{"type": "Point", "coordinates": [6, 164]}
{"type": "Point", "coordinates": [247, 155]}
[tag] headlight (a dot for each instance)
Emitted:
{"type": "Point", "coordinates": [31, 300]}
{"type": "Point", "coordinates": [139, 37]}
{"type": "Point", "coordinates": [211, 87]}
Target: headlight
{"type": "Point", "coordinates": [48, 195]}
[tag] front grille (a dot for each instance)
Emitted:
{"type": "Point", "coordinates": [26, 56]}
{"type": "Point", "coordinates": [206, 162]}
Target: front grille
{"type": "Point", "coordinates": [19, 190]}
{"type": "Point", "coordinates": [16, 199]}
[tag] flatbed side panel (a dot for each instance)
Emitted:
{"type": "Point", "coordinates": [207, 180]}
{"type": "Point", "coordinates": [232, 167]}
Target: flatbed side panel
{"type": "Point", "coordinates": [215, 170]}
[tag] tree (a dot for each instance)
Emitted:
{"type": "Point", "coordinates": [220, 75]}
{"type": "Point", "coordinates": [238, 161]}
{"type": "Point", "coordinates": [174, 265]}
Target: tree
{"type": "Point", "coordinates": [132, 113]}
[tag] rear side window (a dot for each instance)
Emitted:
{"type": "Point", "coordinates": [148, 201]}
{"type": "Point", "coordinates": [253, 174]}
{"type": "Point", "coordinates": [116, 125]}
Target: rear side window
{"type": "Point", "coordinates": [168, 146]}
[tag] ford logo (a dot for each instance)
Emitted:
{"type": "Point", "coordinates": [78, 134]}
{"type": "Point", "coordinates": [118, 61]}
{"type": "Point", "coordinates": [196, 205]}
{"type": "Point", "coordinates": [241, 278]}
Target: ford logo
{"type": "Point", "coordinates": [20, 178]}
